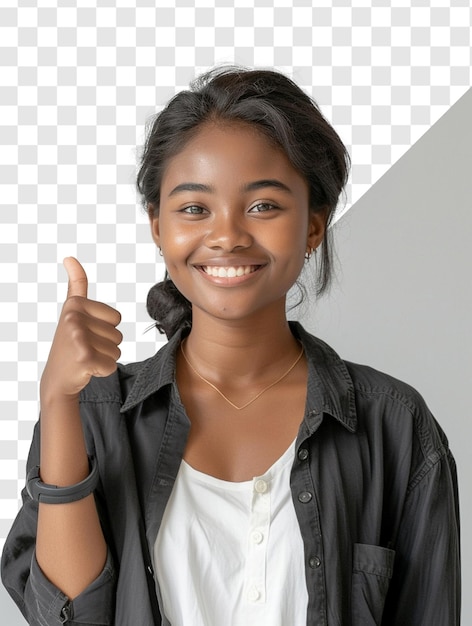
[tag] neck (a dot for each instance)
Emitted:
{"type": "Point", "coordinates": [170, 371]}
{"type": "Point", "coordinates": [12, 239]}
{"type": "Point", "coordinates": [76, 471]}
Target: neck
{"type": "Point", "coordinates": [240, 350]}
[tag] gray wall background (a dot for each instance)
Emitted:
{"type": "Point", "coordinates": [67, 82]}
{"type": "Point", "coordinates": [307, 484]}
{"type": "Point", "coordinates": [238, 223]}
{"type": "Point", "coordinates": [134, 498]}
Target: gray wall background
{"type": "Point", "coordinates": [403, 299]}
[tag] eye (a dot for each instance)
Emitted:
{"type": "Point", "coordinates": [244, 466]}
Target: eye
{"type": "Point", "coordinates": [263, 207]}
{"type": "Point", "coordinates": [193, 209]}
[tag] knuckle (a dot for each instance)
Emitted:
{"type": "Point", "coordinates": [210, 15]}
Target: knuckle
{"type": "Point", "coordinates": [78, 335]}
{"type": "Point", "coordinates": [72, 317]}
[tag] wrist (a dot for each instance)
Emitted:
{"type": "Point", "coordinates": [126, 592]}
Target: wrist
{"type": "Point", "coordinates": [52, 393]}
{"type": "Point", "coordinates": [63, 453]}
{"type": "Point", "coordinates": [51, 399]}
{"type": "Point", "coordinates": [57, 494]}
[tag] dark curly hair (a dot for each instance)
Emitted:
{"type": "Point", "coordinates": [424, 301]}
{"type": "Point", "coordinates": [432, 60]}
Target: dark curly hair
{"type": "Point", "coordinates": [279, 109]}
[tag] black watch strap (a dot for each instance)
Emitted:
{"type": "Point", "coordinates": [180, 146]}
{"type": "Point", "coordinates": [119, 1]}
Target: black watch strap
{"type": "Point", "coordinates": [51, 494]}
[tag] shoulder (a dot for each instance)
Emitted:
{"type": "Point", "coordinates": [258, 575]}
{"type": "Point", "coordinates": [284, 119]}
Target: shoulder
{"type": "Point", "coordinates": [376, 384]}
{"type": "Point", "coordinates": [387, 406]}
{"type": "Point", "coordinates": [407, 427]}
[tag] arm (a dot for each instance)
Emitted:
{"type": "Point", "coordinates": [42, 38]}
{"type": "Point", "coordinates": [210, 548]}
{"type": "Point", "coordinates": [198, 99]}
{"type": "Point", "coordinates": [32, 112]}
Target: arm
{"type": "Point", "coordinates": [425, 588]}
{"type": "Point", "coordinates": [38, 599]}
{"type": "Point", "coordinates": [70, 549]}
{"type": "Point", "coordinates": [71, 552]}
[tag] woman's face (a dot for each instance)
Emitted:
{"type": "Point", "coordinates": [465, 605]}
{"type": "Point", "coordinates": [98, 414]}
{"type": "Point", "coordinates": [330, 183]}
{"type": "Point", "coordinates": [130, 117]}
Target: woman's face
{"type": "Point", "coordinates": [234, 222]}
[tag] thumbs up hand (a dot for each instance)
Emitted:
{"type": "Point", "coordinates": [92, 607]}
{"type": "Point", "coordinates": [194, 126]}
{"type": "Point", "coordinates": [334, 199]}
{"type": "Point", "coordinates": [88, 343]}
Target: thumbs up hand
{"type": "Point", "coordinates": [85, 343]}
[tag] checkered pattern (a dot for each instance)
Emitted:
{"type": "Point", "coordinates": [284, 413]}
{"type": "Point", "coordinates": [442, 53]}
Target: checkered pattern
{"type": "Point", "coordinates": [77, 82]}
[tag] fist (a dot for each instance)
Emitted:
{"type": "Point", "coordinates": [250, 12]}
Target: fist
{"type": "Point", "coordinates": [85, 343]}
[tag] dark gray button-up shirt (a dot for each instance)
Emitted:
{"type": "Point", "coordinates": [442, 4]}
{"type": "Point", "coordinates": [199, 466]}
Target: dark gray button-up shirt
{"type": "Point", "coordinates": [373, 483]}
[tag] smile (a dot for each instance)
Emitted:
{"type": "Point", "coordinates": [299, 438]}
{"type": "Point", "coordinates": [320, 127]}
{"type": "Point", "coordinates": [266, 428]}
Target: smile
{"type": "Point", "coordinates": [229, 272]}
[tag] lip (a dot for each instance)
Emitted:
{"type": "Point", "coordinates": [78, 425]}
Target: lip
{"type": "Point", "coordinates": [229, 261]}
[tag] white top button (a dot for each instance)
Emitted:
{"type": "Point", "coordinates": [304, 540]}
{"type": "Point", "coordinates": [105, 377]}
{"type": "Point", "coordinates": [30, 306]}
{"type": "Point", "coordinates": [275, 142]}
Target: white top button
{"type": "Point", "coordinates": [260, 486]}
{"type": "Point", "coordinates": [253, 595]}
{"type": "Point", "coordinates": [257, 536]}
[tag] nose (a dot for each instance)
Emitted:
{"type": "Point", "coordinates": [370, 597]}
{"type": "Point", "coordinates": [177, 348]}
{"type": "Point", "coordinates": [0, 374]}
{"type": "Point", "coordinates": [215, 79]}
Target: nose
{"type": "Point", "coordinates": [228, 231]}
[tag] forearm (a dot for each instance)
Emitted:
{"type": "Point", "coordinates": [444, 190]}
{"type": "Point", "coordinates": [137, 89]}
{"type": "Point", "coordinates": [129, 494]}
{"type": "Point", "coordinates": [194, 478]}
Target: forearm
{"type": "Point", "coordinates": [425, 588]}
{"type": "Point", "coordinates": [70, 548]}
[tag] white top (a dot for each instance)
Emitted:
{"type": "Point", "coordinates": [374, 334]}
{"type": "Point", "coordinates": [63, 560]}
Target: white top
{"type": "Point", "coordinates": [232, 553]}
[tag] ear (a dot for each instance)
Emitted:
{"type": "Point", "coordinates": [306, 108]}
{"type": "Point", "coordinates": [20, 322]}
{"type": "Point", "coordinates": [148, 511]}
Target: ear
{"type": "Point", "coordinates": [316, 228]}
{"type": "Point", "coordinates": [154, 222]}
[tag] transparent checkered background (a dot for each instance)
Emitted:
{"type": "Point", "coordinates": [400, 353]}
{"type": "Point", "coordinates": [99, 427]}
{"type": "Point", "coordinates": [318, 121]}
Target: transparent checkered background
{"type": "Point", "coordinates": [76, 86]}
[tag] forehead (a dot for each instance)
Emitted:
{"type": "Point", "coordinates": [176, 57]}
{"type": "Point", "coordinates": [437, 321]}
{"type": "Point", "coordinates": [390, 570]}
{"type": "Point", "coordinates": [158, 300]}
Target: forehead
{"type": "Point", "coordinates": [228, 151]}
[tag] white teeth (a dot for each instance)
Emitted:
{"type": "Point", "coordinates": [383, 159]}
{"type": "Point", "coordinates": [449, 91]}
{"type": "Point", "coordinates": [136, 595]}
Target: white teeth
{"type": "Point", "coordinates": [229, 272]}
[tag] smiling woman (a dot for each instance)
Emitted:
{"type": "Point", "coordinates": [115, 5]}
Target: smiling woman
{"type": "Point", "coordinates": [245, 474]}
{"type": "Point", "coordinates": [267, 106]}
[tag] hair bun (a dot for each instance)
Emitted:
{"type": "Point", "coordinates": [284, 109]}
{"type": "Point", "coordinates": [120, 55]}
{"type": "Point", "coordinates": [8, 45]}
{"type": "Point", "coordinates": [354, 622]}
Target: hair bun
{"type": "Point", "coordinates": [168, 307]}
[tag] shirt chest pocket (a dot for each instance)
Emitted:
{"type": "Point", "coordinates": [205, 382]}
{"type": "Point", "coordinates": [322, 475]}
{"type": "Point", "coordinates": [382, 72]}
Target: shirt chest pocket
{"type": "Point", "coordinates": [372, 568]}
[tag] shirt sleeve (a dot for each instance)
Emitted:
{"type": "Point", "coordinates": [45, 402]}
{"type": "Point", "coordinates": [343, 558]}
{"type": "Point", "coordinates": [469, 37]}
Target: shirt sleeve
{"type": "Point", "coordinates": [425, 588]}
{"type": "Point", "coordinates": [38, 599]}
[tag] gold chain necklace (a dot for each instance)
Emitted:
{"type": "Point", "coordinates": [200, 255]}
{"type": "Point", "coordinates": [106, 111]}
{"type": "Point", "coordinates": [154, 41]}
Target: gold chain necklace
{"type": "Point", "coordinates": [240, 408]}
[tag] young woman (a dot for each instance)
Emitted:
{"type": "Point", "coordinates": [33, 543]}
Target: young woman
{"type": "Point", "coordinates": [245, 474]}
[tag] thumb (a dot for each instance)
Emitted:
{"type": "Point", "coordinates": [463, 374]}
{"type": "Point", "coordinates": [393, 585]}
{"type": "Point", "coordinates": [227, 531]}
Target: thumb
{"type": "Point", "coordinates": [78, 282]}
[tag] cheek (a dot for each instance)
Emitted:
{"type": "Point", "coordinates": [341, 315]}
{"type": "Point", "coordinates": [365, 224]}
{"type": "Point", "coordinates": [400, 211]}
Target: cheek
{"type": "Point", "coordinates": [175, 239]}
{"type": "Point", "coordinates": [295, 246]}
{"type": "Point", "coordinates": [294, 240]}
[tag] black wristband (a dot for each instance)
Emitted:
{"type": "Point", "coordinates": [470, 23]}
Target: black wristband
{"type": "Point", "coordinates": [51, 494]}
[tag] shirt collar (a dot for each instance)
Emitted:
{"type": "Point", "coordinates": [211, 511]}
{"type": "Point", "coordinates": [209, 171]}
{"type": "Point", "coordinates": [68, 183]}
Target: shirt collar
{"type": "Point", "coordinates": [330, 388]}
{"type": "Point", "coordinates": [152, 374]}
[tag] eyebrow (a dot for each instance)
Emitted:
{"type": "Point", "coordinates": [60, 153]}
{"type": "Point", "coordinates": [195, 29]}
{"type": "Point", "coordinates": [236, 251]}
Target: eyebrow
{"type": "Point", "coordinates": [270, 182]}
{"type": "Point", "coordinates": [191, 187]}
{"type": "Point", "coordinates": [253, 186]}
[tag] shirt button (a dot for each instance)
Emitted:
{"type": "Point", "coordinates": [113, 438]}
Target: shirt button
{"type": "Point", "coordinates": [303, 454]}
{"type": "Point", "coordinates": [253, 595]}
{"type": "Point", "coordinates": [260, 486]}
{"type": "Point", "coordinates": [305, 496]}
{"type": "Point", "coordinates": [257, 536]}
{"type": "Point", "coordinates": [314, 562]}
